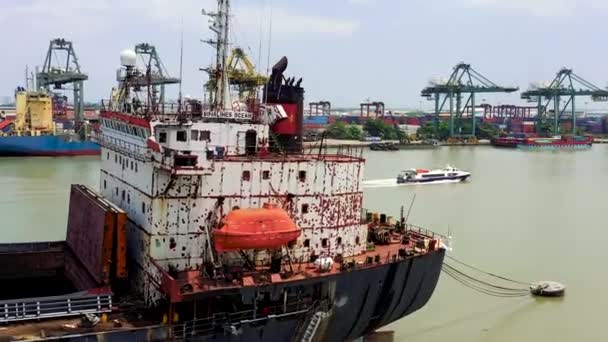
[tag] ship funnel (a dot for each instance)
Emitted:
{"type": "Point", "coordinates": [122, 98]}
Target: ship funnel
{"type": "Point", "coordinates": [128, 58]}
{"type": "Point", "coordinates": [281, 66]}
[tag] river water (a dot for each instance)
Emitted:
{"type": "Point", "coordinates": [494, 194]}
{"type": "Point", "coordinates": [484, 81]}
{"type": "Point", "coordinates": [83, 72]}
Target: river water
{"type": "Point", "coordinates": [527, 215]}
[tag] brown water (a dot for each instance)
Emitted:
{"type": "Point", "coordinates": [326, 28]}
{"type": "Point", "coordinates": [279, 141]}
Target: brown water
{"type": "Point", "coordinates": [528, 215]}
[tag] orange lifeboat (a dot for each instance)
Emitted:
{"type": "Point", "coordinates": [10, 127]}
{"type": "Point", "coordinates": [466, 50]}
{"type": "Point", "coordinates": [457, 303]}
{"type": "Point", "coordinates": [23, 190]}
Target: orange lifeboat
{"type": "Point", "coordinates": [259, 228]}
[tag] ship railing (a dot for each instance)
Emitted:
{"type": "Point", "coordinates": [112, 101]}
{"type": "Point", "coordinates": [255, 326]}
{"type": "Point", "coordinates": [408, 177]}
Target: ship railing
{"type": "Point", "coordinates": [132, 150]}
{"type": "Point", "coordinates": [31, 247]}
{"type": "Point", "coordinates": [54, 307]}
{"type": "Point", "coordinates": [167, 109]}
{"type": "Point", "coordinates": [228, 321]}
{"type": "Point", "coordinates": [410, 228]}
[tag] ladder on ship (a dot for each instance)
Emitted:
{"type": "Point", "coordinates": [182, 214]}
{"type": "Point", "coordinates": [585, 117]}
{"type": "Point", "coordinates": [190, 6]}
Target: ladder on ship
{"type": "Point", "coordinates": [313, 326]}
{"type": "Point", "coordinates": [75, 304]}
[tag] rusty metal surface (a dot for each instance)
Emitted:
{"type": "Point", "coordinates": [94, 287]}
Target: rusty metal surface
{"type": "Point", "coordinates": [87, 234]}
{"type": "Point", "coordinates": [25, 260]}
{"type": "Point", "coordinates": [97, 239]}
{"type": "Point", "coordinates": [171, 207]}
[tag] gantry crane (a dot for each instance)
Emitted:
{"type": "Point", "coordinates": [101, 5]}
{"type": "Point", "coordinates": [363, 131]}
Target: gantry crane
{"type": "Point", "coordinates": [565, 84]}
{"type": "Point", "coordinates": [61, 67]}
{"type": "Point", "coordinates": [241, 75]}
{"type": "Point", "coordinates": [323, 107]}
{"type": "Point", "coordinates": [464, 81]}
{"type": "Point", "coordinates": [153, 77]}
{"type": "Point", "coordinates": [378, 108]}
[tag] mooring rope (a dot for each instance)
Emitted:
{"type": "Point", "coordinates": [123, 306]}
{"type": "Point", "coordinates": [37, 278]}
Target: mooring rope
{"type": "Point", "coordinates": [484, 286]}
{"type": "Point", "coordinates": [486, 291]}
{"type": "Point", "coordinates": [487, 273]}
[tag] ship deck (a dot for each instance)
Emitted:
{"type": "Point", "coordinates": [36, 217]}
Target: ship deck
{"type": "Point", "coordinates": [190, 285]}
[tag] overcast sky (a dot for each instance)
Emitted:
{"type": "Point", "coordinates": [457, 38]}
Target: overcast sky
{"type": "Point", "coordinates": [345, 50]}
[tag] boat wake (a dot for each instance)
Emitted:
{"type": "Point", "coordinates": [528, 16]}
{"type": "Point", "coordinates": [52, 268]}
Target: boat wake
{"type": "Point", "coordinates": [392, 182]}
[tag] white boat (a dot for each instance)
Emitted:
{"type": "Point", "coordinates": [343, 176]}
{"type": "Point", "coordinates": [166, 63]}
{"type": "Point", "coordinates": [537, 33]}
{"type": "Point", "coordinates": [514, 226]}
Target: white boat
{"type": "Point", "coordinates": [448, 173]}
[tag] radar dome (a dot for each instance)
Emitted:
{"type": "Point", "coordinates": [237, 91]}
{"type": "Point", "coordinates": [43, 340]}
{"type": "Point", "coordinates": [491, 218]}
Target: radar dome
{"type": "Point", "coordinates": [128, 58]}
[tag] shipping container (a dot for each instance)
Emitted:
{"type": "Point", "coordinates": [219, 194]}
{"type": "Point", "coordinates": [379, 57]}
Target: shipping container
{"type": "Point", "coordinates": [317, 120]}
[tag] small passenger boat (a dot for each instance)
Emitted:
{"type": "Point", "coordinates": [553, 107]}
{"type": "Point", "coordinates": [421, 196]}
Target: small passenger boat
{"type": "Point", "coordinates": [448, 173]}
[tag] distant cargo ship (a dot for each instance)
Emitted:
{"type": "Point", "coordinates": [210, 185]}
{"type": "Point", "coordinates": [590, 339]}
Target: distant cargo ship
{"type": "Point", "coordinates": [47, 145]}
{"type": "Point", "coordinates": [557, 143]}
{"type": "Point", "coordinates": [33, 133]}
{"type": "Point", "coordinates": [511, 140]}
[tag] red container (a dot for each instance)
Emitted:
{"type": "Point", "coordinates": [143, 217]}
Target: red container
{"type": "Point", "coordinates": [413, 121]}
{"type": "Point", "coordinates": [528, 129]}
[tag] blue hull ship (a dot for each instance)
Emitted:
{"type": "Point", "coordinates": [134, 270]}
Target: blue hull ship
{"type": "Point", "coordinates": [47, 145]}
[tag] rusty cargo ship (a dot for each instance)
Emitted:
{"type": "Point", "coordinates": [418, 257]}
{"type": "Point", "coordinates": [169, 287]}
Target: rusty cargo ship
{"type": "Point", "coordinates": [214, 224]}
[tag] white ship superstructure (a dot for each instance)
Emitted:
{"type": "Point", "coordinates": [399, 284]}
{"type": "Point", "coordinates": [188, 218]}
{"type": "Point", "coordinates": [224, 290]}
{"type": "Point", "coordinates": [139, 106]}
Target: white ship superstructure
{"type": "Point", "coordinates": [178, 175]}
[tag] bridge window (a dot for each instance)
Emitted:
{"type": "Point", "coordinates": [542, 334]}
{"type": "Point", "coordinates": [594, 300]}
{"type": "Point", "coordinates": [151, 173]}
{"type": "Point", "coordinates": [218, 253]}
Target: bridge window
{"type": "Point", "coordinates": [339, 241]}
{"type": "Point", "coordinates": [108, 155]}
{"type": "Point", "coordinates": [143, 207]}
{"type": "Point", "coordinates": [324, 243]}
{"type": "Point", "coordinates": [129, 198]}
{"type": "Point", "coordinates": [104, 184]}
{"type": "Point", "coordinates": [135, 167]}
{"type": "Point", "coordinates": [265, 174]}
{"type": "Point", "coordinates": [181, 136]}
{"type": "Point", "coordinates": [200, 135]}
{"type": "Point", "coordinates": [162, 137]}
{"type": "Point", "coordinates": [307, 243]}
{"type": "Point", "coordinates": [357, 241]}
{"type": "Point", "coordinates": [246, 175]}
{"type": "Point", "coordinates": [131, 165]}
{"type": "Point", "coordinates": [302, 176]}
{"type": "Point", "coordinates": [305, 208]}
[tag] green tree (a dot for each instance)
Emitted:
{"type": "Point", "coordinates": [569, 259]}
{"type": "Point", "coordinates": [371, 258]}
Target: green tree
{"type": "Point", "coordinates": [354, 132]}
{"type": "Point", "coordinates": [427, 131]}
{"type": "Point", "coordinates": [379, 128]}
{"type": "Point", "coordinates": [340, 130]}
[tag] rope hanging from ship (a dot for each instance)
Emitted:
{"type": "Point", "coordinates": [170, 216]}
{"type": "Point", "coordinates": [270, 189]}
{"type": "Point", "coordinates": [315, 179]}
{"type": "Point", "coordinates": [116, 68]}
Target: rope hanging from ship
{"type": "Point", "coordinates": [483, 286]}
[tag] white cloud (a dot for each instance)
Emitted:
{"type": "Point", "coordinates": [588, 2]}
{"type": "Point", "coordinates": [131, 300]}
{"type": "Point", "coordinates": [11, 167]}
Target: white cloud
{"type": "Point", "coordinates": [545, 8]}
{"type": "Point", "coordinates": [92, 15]}
{"type": "Point", "coordinates": [286, 22]}
{"type": "Point", "coordinates": [362, 2]}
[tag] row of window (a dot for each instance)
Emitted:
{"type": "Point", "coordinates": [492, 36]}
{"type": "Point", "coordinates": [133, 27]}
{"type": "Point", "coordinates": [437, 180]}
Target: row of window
{"type": "Point", "coordinates": [182, 136]}
{"type": "Point", "coordinates": [124, 162]}
{"type": "Point", "coordinates": [325, 242]}
{"type": "Point", "coordinates": [128, 196]}
{"type": "Point", "coordinates": [266, 175]}
{"type": "Point", "coordinates": [125, 128]}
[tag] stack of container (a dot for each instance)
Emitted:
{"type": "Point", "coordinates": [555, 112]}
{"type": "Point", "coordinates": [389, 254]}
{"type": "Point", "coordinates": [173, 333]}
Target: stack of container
{"type": "Point", "coordinates": [414, 121]}
{"type": "Point", "coordinates": [566, 126]}
{"type": "Point", "coordinates": [528, 127]}
{"type": "Point", "coordinates": [516, 126]}
{"type": "Point", "coordinates": [595, 127]}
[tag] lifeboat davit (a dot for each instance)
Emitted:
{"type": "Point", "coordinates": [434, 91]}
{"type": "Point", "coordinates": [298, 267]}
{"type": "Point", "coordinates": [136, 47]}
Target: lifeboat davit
{"type": "Point", "coordinates": [259, 228]}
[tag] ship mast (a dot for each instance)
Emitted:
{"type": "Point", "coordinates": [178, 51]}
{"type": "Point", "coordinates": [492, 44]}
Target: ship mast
{"type": "Point", "coordinates": [220, 25]}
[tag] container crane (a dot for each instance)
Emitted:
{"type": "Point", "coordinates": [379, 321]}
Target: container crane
{"type": "Point", "coordinates": [464, 81]}
{"type": "Point", "coordinates": [241, 74]}
{"type": "Point", "coordinates": [378, 108]}
{"type": "Point", "coordinates": [58, 72]}
{"type": "Point", "coordinates": [323, 107]}
{"type": "Point", "coordinates": [565, 84]}
{"type": "Point", "coordinates": [154, 77]}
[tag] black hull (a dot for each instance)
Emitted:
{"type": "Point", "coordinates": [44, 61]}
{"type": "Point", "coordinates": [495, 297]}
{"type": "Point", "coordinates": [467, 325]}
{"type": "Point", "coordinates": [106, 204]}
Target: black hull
{"type": "Point", "coordinates": [365, 300]}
